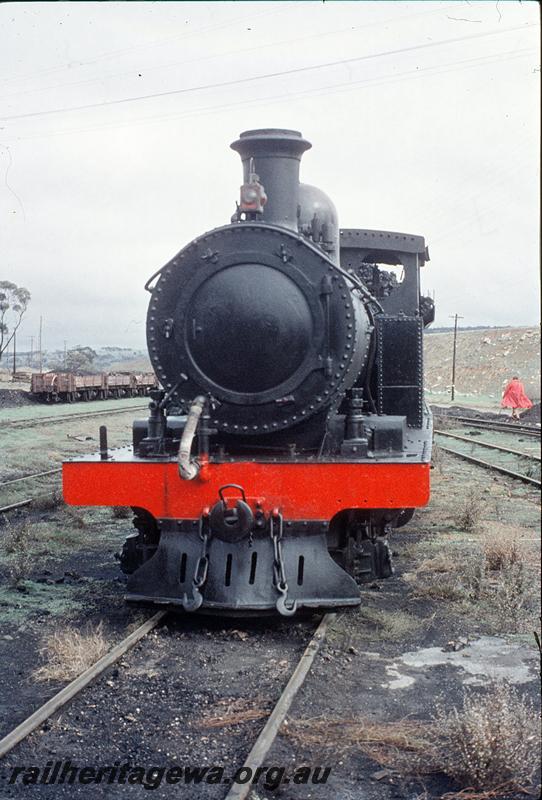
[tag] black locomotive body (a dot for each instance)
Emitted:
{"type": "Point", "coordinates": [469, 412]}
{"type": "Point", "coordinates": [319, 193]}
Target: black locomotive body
{"type": "Point", "coordinates": [289, 351]}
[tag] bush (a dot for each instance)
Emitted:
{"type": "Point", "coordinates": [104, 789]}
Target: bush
{"type": "Point", "coordinates": [491, 742]}
{"type": "Point", "coordinates": [16, 544]}
{"type": "Point", "coordinates": [48, 502]}
{"type": "Point", "coordinates": [501, 551]}
{"type": "Point", "coordinates": [469, 512]}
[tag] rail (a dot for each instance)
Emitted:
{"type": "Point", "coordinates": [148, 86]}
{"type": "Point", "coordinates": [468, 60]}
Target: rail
{"type": "Point", "coordinates": [496, 468]}
{"type": "Point", "coordinates": [32, 475]}
{"type": "Point", "coordinates": [28, 422]}
{"type": "Point", "coordinates": [496, 425]}
{"type": "Point", "coordinates": [72, 689]}
{"type": "Point", "coordinates": [14, 506]}
{"type": "Point", "coordinates": [489, 445]}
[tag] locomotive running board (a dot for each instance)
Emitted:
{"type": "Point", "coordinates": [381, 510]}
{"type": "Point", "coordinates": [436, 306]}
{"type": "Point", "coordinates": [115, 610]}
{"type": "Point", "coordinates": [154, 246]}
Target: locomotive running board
{"type": "Point", "coordinates": [240, 575]}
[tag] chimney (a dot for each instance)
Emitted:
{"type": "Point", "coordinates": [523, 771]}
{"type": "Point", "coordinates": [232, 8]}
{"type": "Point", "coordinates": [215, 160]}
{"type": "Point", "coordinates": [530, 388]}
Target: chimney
{"type": "Point", "coordinates": [277, 154]}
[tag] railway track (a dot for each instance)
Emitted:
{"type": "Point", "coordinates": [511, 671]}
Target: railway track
{"type": "Point", "coordinates": [29, 477]}
{"type": "Point", "coordinates": [253, 760]}
{"type": "Point", "coordinates": [29, 422]}
{"type": "Point", "coordinates": [493, 425]}
{"type": "Point", "coordinates": [66, 694]}
{"type": "Point", "coordinates": [28, 500]}
{"type": "Point", "coordinates": [15, 506]}
{"type": "Point", "coordinates": [522, 456]}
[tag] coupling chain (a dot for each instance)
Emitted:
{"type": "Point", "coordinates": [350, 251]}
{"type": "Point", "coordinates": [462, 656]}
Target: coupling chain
{"type": "Point", "coordinates": [279, 573]}
{"type": "Point", "coordinates": [202, 564]}
{"type": "Point", "coordinates": [201, 570]}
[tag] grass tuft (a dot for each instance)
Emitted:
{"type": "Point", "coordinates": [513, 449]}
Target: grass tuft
{"type": "Point", "coordinates": [69, 652]}
{"type": "Point", "coordinates": [390, 625]}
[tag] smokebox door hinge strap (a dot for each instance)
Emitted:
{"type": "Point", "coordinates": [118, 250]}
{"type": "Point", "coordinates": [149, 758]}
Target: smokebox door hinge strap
{"type": "Point", "coordinates": [148, 287]}
{"type": "Point", "coordinates": [284, 254]}
{"type": "Point", "coordinates": [210, 255]}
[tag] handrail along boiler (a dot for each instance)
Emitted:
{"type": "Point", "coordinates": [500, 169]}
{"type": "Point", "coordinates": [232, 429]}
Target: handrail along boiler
{"type": "Point", "coordinates": [290, 435]}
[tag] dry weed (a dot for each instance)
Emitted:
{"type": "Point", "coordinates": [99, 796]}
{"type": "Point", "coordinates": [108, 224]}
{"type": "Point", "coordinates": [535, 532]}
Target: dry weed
{"type": "Point", "coordinates": [16, 537]}
{"type": "Point", "coordinates": [491, 742]}
{"type": "Point", "coordinates": [469, 513]}
{"type": "Point", "coordinates": [235, 712]}
{"type": "Point", "coordinates": [390, 624]}
{"type": "Point", "coordinates": [511, 594]}
{"type": "Point", "coordinates": [488, 745]}
{"type": "Point", "coordinates": [389, 743]}
{"type": "Point", "coordinates": [443, 562]}
{"type": "Point", "coordinates": [16, 544]}
{"type": "Point", "coordinates": [76, 516]}
{"type": "Point", "coordinates": [501, 549]}
{"type": "Point", "coordinates": [437, 458]}
{"type": "Point", "coordinates": [472, 578]}
{"type": "Point", "coordinates": [20, 568]}
{"type": "Point", "coordinates": [437, 587]}
{"type": "Point", "coordinates": [508, 596]}
{"type": "Point", "coordinates": [69, 652]}
{"type": "Point", "coordinates": [48, 502]}
{"type": "Point", "coordinates": [436, 578]}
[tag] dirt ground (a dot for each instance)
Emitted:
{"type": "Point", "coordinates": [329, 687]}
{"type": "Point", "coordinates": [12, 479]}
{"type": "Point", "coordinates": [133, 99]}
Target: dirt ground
{"type": "Point", "coordinates": [13, 398]}
{"type": "Point", "coordinates": [196, 691]}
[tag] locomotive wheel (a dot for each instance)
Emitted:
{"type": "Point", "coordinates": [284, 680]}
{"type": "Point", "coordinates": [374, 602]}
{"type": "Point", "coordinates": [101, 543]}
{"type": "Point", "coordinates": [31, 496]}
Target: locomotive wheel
{"type": "Point", "coordinates": [141, 545]}
{"type": "Point", "coordinates": [367, 559]}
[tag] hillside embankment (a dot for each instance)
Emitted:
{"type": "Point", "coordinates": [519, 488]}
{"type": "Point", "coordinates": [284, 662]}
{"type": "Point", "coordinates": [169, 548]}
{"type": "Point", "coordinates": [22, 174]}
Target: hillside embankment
{"type": "Point", "coordinates": [486, 360]}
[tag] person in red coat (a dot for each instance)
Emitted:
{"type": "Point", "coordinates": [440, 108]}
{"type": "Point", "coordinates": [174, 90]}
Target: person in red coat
{"type": "Point", "coordinates": [514, 397]}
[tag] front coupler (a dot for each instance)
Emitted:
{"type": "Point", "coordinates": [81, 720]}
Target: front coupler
{"type": "Point", "coordinates": [281, 566]}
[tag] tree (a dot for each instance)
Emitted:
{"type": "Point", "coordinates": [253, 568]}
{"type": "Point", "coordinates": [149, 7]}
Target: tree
{"type": "Point", "coordinates": [80, 359]}
{"type": "Point", "coordinates": [14, 301]}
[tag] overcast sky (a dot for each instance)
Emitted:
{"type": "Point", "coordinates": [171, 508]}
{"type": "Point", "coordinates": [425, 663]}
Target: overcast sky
{"type": "Point", "coordinates": [430, 128]}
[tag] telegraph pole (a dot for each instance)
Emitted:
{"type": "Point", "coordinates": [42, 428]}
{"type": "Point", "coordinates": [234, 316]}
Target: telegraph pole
{"type": "Point", "coordinates": [41, 353]}
{"type": "Point", "coordinates": [455, 317]}
{"type": "Point", "coordinates": [14, 353]}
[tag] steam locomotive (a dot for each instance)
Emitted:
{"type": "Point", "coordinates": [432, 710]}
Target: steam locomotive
{"type": "Point", "coordinates": [290, 434]}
